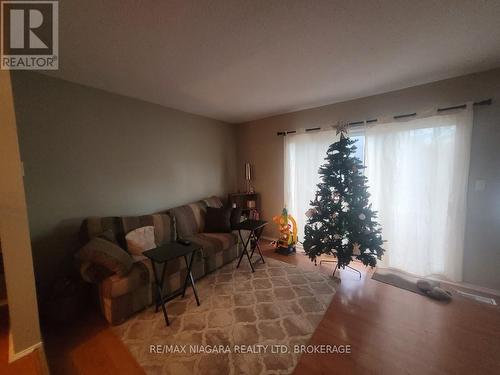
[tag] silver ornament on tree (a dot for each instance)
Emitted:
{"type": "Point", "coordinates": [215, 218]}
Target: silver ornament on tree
{"type": "Point", "coordinates": [310, 212]}
{"type": "Point", "coordinates": [336, 197]}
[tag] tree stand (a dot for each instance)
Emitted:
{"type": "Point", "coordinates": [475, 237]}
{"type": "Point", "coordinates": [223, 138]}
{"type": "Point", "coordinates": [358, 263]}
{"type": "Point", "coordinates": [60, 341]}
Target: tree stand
{"type": "Point", "coordinates": [337, 266]}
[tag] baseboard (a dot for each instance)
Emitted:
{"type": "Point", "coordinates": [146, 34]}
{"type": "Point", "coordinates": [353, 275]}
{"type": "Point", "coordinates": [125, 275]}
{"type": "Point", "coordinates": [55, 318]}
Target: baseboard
{"type": "Point", "coordinates": [298, 246]}
{"type": "Point", "coordinates": [477, 288]}
{"type": "Point", "coordinates": [15, 356]}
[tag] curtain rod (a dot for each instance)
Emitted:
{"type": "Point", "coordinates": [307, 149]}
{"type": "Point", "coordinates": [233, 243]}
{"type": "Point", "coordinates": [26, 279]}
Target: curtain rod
{"type": "Point", "coordinates": [354, 123]}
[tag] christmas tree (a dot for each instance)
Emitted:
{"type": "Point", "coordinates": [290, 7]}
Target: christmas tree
{"type": "Point", "coordinates": [341, 221]}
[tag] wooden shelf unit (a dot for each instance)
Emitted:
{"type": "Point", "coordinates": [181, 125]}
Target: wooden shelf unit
{"type": "Point", "coordinates": [241, 200]}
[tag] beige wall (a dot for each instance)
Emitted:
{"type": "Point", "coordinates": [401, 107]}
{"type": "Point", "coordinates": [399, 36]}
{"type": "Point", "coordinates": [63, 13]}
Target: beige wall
{"type": "Point", "coordinates": [14, 232]}
{"type": "Point", "coordinates": [259, 145]}
{"type": "Point", "coordinates": [89, 152]}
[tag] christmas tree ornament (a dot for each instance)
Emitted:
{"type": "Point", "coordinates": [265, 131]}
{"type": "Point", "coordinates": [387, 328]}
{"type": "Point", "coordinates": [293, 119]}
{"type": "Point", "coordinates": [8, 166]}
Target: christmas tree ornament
{"type": "Point", "coordinates": [310, 212]}
{"type": "Point", "coordinates": [335, 196]}
{"type": "Point", "coordinates": [350, 236]}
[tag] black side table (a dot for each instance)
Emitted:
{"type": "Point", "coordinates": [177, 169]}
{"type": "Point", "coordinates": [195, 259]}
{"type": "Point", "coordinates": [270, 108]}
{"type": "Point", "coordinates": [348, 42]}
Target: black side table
{"type": "Point", "coordinates": [162, 255]}
{"type": "Point", "coordinates": [255, 227]}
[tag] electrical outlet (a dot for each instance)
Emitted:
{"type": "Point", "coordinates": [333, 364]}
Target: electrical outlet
{"type": "Point", "coordinates": [480, 185]}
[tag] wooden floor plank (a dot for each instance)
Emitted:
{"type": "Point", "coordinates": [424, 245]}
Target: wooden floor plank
{"type": "Point", "coordinates": [88, 346]}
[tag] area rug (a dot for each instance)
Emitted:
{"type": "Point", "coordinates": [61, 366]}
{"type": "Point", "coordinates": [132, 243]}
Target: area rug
{"type": "Point", "coordinates": [247, 323]}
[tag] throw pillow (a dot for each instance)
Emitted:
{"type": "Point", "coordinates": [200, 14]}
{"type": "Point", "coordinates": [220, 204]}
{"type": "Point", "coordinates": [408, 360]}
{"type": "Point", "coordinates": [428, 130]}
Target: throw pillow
{"type": "Point", "coordinates": [106, 254]}
{"type": "Point", "coordinates": [140, 240]}
{"type": "Point", "coordinates": [218, 220]}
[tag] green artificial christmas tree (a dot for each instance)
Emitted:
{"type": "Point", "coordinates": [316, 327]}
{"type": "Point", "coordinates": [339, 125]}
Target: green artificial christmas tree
{"type": "Point", "coordinates": [341, 222]}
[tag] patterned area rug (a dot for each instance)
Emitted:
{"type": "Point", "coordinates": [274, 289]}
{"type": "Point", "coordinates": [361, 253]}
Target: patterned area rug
{"type": "Point", "coordinates": [246, 323]}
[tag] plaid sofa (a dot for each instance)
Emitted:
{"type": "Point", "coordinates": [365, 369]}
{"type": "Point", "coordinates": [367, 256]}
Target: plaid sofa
{"type": "Point", "coordinates": [121, 296]}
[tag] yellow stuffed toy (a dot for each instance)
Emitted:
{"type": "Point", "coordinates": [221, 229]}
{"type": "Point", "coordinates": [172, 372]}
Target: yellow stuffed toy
{"type": "Point", "coordinates": [288, 233]}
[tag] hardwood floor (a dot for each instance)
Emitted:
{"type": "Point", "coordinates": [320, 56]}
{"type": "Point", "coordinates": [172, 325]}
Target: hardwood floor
{"type": "Point", "coordinates": [391, 331]}
{"type": "Point", "coordinates": [394, 331]}
{"type": "Point", "coordinates": [88, 346]}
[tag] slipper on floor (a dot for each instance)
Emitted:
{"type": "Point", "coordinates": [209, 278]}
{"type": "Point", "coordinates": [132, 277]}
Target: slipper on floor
{"type": "Point", "coordinates": [439, 294]}
{"type": "Point", "coordinates": [426, 285]}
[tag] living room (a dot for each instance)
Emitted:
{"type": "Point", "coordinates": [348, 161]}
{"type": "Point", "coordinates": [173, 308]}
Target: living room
{"type": "Point", "coordinates": [251, 187]}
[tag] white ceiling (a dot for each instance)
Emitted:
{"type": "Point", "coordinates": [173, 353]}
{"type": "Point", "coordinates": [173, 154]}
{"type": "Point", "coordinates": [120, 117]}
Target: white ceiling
{"type": "Point", "coordinates": [242, 60]}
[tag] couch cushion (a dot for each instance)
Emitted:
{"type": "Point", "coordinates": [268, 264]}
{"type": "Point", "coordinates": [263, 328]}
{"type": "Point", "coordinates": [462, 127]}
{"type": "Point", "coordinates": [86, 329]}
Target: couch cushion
{"type": "Point", "coordinates": [165, 230]}
{"type": "Point", "coordinates": [189, 219]}
{"type": "Point", "coordinates": [115, 286]}
{"type": "Point", "coordinates": [131, 223]}
{"type": "Point", "coordinates": [95, 226]}
{"type": "Point", "coordinates": [218, 248]}
{"type": "Point", "coordinates": [164, 226]}
{"type": "Point", "coordinates": [108, 235]}
{"type": "Point", "coordinates": [214, 242]}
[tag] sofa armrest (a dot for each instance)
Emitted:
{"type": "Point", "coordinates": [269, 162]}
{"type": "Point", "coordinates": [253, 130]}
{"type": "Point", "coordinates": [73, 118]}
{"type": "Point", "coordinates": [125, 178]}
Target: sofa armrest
{"type": "Point", "coordinates": [93, 273]}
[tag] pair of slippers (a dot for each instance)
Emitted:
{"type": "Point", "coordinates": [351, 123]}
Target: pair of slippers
{"type": "Point", "coordinates": [433, 290]}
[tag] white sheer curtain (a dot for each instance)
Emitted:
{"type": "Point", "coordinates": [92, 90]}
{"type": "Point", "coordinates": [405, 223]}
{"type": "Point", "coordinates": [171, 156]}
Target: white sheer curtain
{"type": "Point", "coordinates": [418, 172]}
{"type": "Point", "coordinates": [304, 154]}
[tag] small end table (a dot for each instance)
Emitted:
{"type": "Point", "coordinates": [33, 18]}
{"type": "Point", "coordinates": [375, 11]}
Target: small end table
{"type": "Point", "coordinates": [162, 255]}
{"type": "Point", "coordinates": [255, 227]}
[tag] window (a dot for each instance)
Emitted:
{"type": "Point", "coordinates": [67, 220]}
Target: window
{"type": "Point", "coordinates": [360, 146]}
